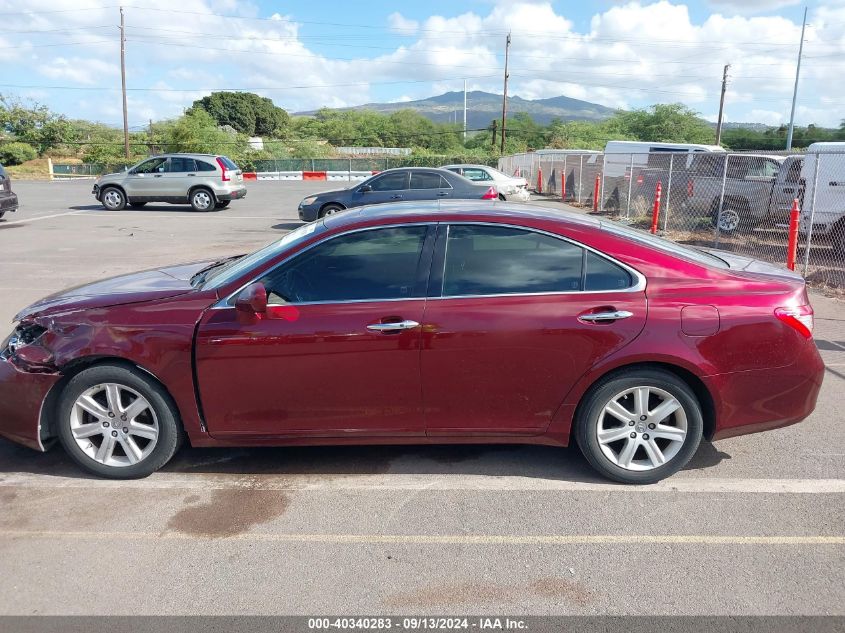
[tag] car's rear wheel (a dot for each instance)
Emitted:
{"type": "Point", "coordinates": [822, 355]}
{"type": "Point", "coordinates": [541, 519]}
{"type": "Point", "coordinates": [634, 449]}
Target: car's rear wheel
{"type": "Point", "coordinates": [222, 204]}
{"type": "Point", "coordinates": [639, 426]}
{"type": "Point", "coordinates": [330, 209]}
{"type": "Point", "coordinates": [116, 422]}
{"type": "Point", "coordinates": [113, 199]}
{"type": "Point", "coordinates": [137, 205]}
{"type": "Point", "coordinates": [202, 200]}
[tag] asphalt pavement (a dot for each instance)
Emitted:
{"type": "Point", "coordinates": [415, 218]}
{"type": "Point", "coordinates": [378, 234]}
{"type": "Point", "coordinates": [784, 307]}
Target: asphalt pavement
{"type": "Point", "coordinates": [754, 525]}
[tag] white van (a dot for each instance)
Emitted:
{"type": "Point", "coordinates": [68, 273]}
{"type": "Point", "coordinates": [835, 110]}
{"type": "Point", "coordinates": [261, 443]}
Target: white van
{"type": "Point", "coordinates": [618, 155]}
{"type": "Point", "coordinates": [825, 192]}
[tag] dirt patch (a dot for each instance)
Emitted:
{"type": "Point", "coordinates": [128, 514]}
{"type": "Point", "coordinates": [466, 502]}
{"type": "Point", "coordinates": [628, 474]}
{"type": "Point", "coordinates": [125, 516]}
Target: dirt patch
{"type": "Point", "coordinates": [229, 512]}
{"type": "Point", "coordinates": [457, 595]}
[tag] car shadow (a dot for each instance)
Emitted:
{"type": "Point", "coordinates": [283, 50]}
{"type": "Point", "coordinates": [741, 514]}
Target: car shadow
{"type": "Point", "coordinates": [157, 208]}
{"type": "Point", "coordinates": [494, 460]}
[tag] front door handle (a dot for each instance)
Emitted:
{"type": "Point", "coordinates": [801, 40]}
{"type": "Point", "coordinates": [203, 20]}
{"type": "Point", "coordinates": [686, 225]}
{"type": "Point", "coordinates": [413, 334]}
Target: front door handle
{"type": "Point", "coordinates": [442, 194]}
{"type": "Point", "coordinates": [397, 326]}
{"type": "Point", "coordinates": [397, 197]}
{"type": "Point", "coordinates": [157, 175]}
{"type": "Point", "coordinates": [597, 317]}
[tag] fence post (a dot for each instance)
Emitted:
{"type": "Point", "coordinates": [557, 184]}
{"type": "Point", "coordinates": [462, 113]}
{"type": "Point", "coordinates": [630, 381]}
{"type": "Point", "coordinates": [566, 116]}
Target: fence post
{"type": "Point", "coordinates": [563, 181]}
{"type": "Point", "coordinates": [812, 216]}
{"type": "Point", "coordinates": [601, 191]}
{"type": "Point", "coordinates": [792, 244]}
{"type": "Point", "coordinates": [630, 188]}
{"type": "Point", "coordinates": [668, 191]}
{"type": "Point", "coordinates": [721, 200]}
{"type": "Point", "coordinates": [580, 174]}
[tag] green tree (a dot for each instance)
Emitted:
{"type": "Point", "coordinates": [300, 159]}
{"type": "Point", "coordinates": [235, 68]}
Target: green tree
{"type": "Point", "coordinates": [246, 112]}
{"type": "Point", "coordinates": [666, 122]}
{"type": "Point", "coordinates": [197, 131]}
{"type": "Point", "coordinates": [33, 123]}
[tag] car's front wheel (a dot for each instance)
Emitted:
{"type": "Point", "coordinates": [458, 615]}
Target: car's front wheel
{"type": "Point", "coordinates": [202, 200]}
{"type": "Point", "coordinates": [639, 426]}
{"type": "Point", "coordinates": [113, 199]}
{"type": "Point", "coordinates": [330, 209]}
{"type": "Point", "coordinates": [116, 422]}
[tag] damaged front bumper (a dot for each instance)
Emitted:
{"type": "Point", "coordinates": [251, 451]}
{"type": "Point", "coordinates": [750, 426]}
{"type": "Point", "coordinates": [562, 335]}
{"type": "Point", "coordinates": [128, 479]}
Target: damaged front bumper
{"type": "Point", "coordinates": [23, 395]}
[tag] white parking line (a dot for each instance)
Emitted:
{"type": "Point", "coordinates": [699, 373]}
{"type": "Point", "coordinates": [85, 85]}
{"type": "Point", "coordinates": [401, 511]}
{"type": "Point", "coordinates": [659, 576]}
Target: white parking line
{"type": "Point", "coordinates": [444, 539]}
{"type": "Point", "coordinates": [388, 482]}
{"type": "Point", "coordinates": [38, 218]}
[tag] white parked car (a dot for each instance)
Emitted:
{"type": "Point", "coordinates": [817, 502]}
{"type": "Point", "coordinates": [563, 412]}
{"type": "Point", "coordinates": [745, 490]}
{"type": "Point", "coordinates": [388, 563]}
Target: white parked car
{"type": "Point", "coordinates": [509, 187]}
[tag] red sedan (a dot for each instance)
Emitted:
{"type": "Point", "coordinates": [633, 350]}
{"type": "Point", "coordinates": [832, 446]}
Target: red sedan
{"type": "Point", "coordinates": [420, 323]}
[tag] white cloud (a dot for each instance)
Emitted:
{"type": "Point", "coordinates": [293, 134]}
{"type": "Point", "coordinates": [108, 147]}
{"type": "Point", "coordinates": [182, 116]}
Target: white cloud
{"type": "Point", "coordinates": [630, 54]}
{"type": "Point", "coordinates": [752, 6]}
{"type": "Point", "coordinates": [401, 24]}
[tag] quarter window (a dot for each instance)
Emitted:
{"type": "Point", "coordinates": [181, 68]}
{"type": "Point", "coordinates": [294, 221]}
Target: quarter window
{"type": "Point", "coordinates": [373, 265]}
{"type": "Point", "coordinates": [487, 260]}
{"type": "Point", "coordinates": [603, 274]}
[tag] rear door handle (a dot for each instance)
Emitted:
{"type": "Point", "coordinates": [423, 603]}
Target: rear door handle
{"type": "Point", "coordinates": [597, 317]}
{"type": "Point", "coordinates": [397, 197]}
{"type": "Point", "coordinates": [157, 175]}
{"type": "Point", "coordinates": [397, 326]}
{"type": "Point", "coordinates": [442, 193]}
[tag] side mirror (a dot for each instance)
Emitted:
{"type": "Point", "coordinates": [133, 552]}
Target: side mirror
{"type": "Point", "coordinates": [252, 300]}
{"type": "Point", "coordinates": [365, 188]}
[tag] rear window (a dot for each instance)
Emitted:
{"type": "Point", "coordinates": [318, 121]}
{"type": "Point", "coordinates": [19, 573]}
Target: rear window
{"type": "Point", "coordinates": [672, 248]}
{"type": "Point", "coordinates": [230, 164]}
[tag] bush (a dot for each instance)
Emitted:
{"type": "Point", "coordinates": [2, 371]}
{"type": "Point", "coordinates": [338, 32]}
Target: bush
{"type": "Point", "coordinates": [16, 153]}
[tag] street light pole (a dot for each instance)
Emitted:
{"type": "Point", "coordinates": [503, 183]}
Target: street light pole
{"type": "Point", "coordinates": [795, 89]}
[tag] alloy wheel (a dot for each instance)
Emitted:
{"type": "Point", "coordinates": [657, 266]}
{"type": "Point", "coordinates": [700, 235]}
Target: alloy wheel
{"type": "Point", "coordinates": [114, 425]}
{"type": "Point", "coordinates": [112, 199]}
{"type": "Point", "coordinates": [728, 220]}
{"type": "Point", "coordinates": [202, 200]}
{"type": "Point", "coordinates": [641, 428]}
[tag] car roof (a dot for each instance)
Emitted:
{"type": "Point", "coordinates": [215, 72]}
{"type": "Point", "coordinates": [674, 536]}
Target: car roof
{"type": "Point", "coordinates": [473, 165]}
{"type": "Point", "coordinates": [434, 169]}
{"type": "Point", "coordinates": [454, 211]}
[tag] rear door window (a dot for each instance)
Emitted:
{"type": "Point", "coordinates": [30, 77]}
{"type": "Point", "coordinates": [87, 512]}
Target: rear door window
{"type": "Point", "coordinates": [493, 260]}
{"type": "Point", "coordinates": [180, 164]}
{"type": "Point", "coordinates": [476, 174]}
{"type": "Point", "coordinates": [425, 180]}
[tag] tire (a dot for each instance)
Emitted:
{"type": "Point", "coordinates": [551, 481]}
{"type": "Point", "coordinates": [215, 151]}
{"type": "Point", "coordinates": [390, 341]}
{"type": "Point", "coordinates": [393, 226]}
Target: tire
{"type": "Point", "coordinates": [330, 209]}
{"type": "Point", "coordinates": [113, 199]}
{"type": "Point", "coordinates": [137, 205]}
{"type": "Point", "coordinates": [222, 204]}
{"type": "Point", "coordinates": [837, 237]}
{"type": "Point", "coordinates": [2, 213]}
{"type": "Point", "coordinates": [153, 433]}
{"type": "Point", "coordinates": [644, 467]}
{"type": "Point", "coordinates": [202, 199]}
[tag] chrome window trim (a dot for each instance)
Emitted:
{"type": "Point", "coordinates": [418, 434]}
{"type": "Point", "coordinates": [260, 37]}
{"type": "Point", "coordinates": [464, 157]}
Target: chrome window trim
{"type": "Point", "coordinates": [639, 285]}
{"type": "Point", "coordinates": [639, 279]}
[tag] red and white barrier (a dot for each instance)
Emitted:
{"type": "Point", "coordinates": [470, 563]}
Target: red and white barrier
{"type": "Point", "coordinates": [346, 176]}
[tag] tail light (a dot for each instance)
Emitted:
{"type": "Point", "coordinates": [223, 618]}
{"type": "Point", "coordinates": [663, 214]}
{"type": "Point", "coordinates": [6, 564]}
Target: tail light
{"type": "Point", "coordinates": [226, 177]}
{"type": "Point", "coordinates": [690, 188]}
{"type": "Point", "coordinates": [640, 179]}
{"type": "Point", "coordinates": [799, 319]}
{"type": "Point", "coordinates": [490, 194]}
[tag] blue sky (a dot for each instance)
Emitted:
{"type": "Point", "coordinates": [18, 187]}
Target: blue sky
{"type": "Point", "coordinates": [304, 55]}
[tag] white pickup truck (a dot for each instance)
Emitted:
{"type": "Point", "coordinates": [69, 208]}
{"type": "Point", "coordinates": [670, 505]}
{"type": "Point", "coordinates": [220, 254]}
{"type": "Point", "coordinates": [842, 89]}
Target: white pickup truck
{"type": "Point", "coordinates": [824, 196]}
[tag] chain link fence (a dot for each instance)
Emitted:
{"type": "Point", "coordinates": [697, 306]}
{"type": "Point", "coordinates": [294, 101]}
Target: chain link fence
{"type": "Point", "coordinates": [732, 201]}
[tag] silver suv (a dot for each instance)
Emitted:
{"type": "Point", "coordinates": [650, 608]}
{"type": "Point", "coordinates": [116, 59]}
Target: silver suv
{"type": "Point", "coordinates": [205, 181]}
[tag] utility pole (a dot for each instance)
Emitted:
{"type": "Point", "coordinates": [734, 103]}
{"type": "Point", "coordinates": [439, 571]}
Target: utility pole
{"type": "Point", "coordinates": [465, 110]}
{"type": "Point", "coordinates": [505, 95]}
{"type": "Point", "coordinates": [722, 105]}
{"type": "Point", "coordinates": [795, 90]}
{"type": "Point", "coordinates": [123, 83]}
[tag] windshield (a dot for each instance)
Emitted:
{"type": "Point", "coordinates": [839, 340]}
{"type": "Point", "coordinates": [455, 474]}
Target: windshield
{"type": "Point", "coordinates": [673, 248]}
{"type": "Point", "coordinates": [234, 269]}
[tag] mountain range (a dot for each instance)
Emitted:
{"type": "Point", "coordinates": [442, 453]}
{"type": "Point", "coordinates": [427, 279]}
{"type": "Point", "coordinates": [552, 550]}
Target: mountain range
{"type": "Point", "coordinates": [483, 107]}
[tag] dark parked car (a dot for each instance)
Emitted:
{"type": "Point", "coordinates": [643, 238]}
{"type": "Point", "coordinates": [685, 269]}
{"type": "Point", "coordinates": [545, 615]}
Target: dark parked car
{"type": "Point", "coordinates": [8, 199]}
{"type": "Point", "coordinates": [394, 185]}
{"type": "Point", "coordinates": [442, 323]}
